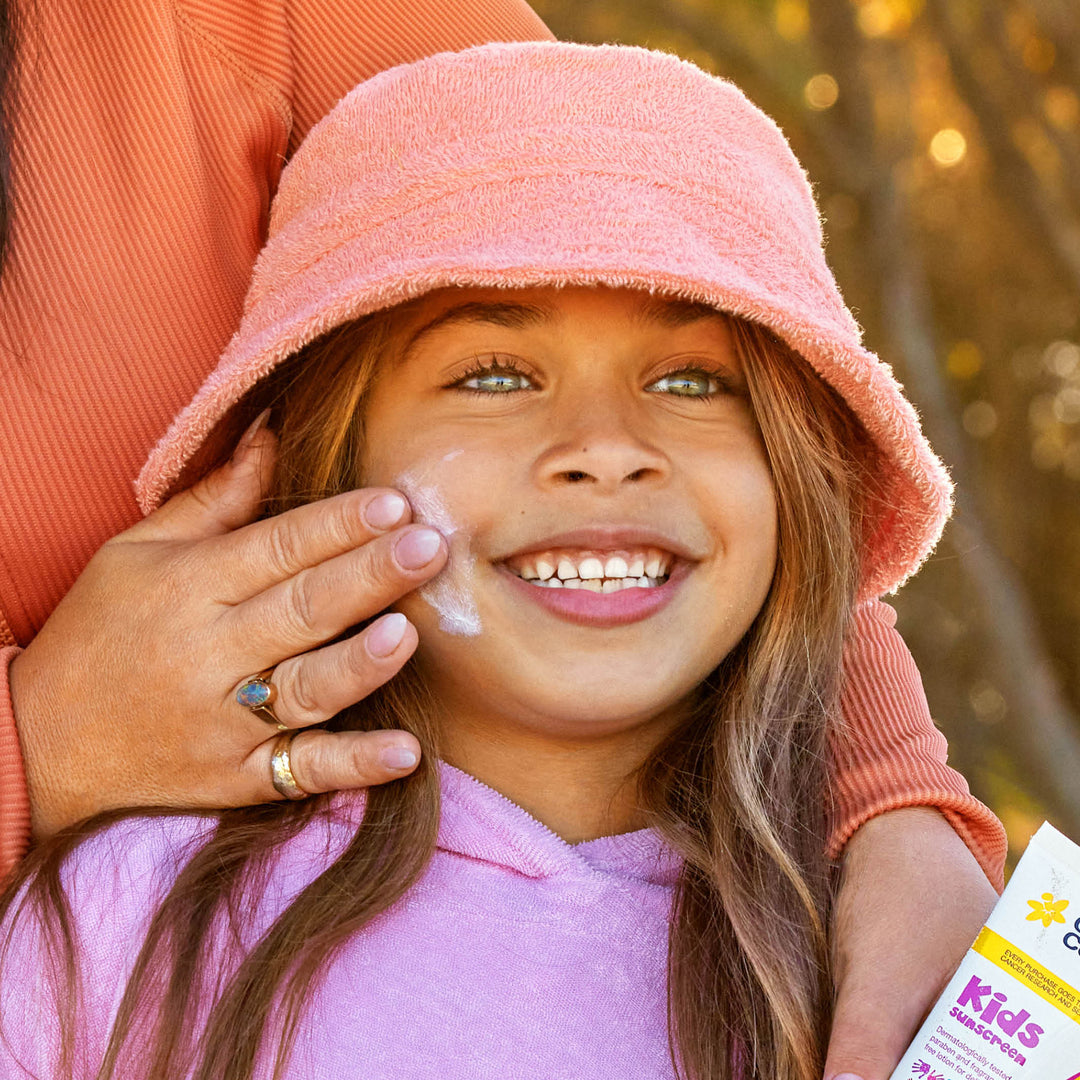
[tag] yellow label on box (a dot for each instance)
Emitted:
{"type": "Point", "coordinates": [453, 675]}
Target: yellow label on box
{"type": "Point", "coordinates": [1030, 972]}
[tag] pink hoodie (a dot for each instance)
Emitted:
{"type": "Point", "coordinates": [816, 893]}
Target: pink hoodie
{"type": "Point", "coordinates": [516, 954]}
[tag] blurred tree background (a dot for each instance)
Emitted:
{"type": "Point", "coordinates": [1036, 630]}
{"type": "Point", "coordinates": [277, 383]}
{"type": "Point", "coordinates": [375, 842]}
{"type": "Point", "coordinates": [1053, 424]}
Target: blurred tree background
{"type": "Point", "coordinates": [943, 139]}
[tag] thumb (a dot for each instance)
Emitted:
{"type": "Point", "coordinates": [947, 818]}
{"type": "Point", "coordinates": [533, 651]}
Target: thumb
{"type": "Point", "coordinates": [223, 500]}
{"type": "Point", "coordinates": [869, 1035]}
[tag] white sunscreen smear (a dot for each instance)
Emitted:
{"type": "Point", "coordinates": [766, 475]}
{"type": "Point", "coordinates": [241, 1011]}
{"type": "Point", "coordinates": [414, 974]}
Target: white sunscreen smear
{"type": "Point", "coordinates": [450, 592]}
{"type": "Point", "coordinates": [1012, 1010]}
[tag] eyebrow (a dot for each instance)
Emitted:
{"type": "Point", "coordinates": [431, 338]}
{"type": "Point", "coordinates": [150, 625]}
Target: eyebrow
{"type": "Point", "coordinates": [672, 312]}
{"type": "Point", "coordinates": [669, 312]}
{"type": "Point", "coordinates": [512, 315]}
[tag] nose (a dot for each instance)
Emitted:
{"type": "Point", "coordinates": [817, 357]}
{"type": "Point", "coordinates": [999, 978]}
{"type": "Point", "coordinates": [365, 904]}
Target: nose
{"type": "Point", "coordinates": [600, 449]}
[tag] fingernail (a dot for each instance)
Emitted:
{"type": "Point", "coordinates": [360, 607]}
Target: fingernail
{"type": "Point", "coordinates": [385, 511]}
{"type": "Point", "coordinates": [385, 636]}
{"type": "Point", "coordinates": [244, 445]}
{"type": "Point", "coordinates": [847, 1076]}
{"type": "Point", "coordinates": [398, 757]}
{"type": "Point", "coordinates": [417, 548]}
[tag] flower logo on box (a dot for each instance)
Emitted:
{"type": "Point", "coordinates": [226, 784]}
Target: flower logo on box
{"type": "Point", "coordinates": [1048, 910]}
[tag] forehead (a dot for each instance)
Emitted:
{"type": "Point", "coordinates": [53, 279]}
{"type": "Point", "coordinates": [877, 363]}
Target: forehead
{"type": "Point", "coordinates": [524, 309]}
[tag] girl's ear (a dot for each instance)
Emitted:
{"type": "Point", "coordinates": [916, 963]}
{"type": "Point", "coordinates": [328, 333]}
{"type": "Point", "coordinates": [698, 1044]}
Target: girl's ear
{"type": "Point", "coordinates": [228, 497]}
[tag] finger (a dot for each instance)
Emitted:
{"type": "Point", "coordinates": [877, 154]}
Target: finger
{"type": "Point", "coordinates": [316, 686]}
{"type": "Point", "coordinates": [271, 551]}
{"type": "Point", "coordinates": [330, 761]}
{"type": "Point", "coordinates": [318, 604]}
{"type": "Point", "coordinates": [226, 499]}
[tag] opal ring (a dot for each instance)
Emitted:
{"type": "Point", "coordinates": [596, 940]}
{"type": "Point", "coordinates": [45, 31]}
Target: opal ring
{"type": "Point", "coordinates": [281, 774]}
{"type": "Point", "coordinates": [258, 694]}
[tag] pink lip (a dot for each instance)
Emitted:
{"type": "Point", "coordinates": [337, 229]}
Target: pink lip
{"type": "Point", "coordinates": [600, 609]}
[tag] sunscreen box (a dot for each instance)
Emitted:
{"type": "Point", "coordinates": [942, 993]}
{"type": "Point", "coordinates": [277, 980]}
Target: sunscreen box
{"type": "Point", "coordinates": [1012, 1010]}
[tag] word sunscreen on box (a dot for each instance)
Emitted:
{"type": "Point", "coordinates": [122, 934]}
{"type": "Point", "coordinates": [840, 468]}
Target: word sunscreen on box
{"type": "Point", "coordinates": [1013, 1007]}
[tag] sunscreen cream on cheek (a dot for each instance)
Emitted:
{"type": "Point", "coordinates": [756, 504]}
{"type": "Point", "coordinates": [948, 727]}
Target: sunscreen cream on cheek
{"type": "Point", "coordinates": [450, 592]}
{"type": "Point", "coordinates": [1012, 1010]}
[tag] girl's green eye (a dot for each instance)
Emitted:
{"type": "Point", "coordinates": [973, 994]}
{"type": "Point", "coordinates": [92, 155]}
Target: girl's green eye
{"type": "Point", "coordinates": [698, 384]}
{"type": "Point", "coordinates": [495, 380]}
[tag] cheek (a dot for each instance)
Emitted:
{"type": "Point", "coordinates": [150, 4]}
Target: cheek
{"type": "Point", "coordinates": [451, 490]}
{"type": "Point", "coordinates": [760, 525]}
{"type": "Point", "coordinates": [442, 492]}
{"type": "Point", "coordinates": [743, 506]}
{"type": "Point", "coordinates": [744, 523]}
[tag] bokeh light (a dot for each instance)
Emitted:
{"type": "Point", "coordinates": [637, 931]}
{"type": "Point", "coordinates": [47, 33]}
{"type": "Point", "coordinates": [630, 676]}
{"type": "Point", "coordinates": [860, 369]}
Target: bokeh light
{"type": "Point", "coordinates": [1062, 358]}
{"type": "Point", "coordinates": [948, 148]}
{"type": "Point", "coordinates": [964, 360]}
{"type": "Point", "coordinates": [987, 702]}
{"type": "Point", "coordinates": [792, 19]}
{"type": "Point", "coordinates": [1062, 107]}
{"type": "Point", "coordinates": [886, 18]}
{"type": "Point", "coordinates": [1039, 54]}
{"type": "Point", "coordinates": [1067, 405]}
{"type": "Point", "coordinates": [821, 92]}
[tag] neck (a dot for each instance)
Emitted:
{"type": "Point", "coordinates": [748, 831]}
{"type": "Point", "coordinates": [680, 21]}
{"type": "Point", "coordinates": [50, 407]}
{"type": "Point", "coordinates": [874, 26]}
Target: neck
{"type": "Point", "coordinates": [580, 789]}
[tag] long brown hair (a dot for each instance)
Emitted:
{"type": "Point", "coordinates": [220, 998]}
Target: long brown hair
{"type": "Point", "coordinates": [739, 792]}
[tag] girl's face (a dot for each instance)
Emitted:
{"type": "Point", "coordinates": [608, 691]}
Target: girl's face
{"type": "Point", "coordinates": [593, 455]}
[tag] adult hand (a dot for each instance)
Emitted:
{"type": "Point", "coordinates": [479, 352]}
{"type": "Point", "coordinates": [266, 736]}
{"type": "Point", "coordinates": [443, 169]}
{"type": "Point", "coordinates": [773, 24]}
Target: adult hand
{"type": "Point", "coordinates": [911, 902]}
{"type": "Point", "coordinates": [126, 696]}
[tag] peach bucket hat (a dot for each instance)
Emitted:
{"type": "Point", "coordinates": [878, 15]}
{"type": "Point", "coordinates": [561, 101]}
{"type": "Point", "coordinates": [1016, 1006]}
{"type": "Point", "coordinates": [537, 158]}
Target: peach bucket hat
{"type": "Point", "coordinates": [514, 165]}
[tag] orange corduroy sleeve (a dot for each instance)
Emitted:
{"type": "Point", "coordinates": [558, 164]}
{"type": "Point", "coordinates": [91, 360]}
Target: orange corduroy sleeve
{"type": "Point", "coordinates": [14, 803]}
{"type": "Point", "coordinates": [336, 45]}
{"type": "Point", "coordinates": [889, 754]}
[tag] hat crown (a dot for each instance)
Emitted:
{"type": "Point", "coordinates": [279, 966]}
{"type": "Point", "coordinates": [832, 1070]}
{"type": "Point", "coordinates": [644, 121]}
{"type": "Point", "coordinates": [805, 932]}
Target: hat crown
{"type": "Point", "coordinates": [549, 109]}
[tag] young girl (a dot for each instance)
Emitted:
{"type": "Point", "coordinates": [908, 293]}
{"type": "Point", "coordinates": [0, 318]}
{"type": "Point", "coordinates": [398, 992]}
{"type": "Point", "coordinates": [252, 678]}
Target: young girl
{"type": "Point", "coordinates": [572, 301]}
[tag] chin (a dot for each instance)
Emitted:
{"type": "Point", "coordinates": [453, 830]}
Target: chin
{"type": "Point", "coordinates": [589, 712]}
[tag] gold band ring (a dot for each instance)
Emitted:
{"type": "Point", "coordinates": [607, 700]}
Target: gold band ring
{"type": "Point", "coordinates": [257, 694]}
{"type": "Point", "coordinates": [281, 774]}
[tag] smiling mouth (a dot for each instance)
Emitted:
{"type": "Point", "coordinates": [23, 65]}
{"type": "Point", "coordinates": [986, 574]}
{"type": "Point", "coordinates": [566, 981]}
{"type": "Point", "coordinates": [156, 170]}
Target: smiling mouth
{"type": "Point", "coordinates": [593, 570]}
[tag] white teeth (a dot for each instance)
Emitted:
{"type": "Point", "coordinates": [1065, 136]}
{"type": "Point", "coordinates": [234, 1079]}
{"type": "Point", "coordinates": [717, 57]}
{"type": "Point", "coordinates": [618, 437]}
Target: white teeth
{"type": "Point", "coordinates": [608, 585]}
{"type": "Point", "coordinates": [636, 570]}
{"type": "Point", "coordinates": [615, 567]}
{"type": "Point", "coordinates": [590, 568]}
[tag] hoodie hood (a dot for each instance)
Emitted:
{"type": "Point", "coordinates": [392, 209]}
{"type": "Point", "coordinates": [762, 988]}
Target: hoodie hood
{"type": "Point", "coordinates": [553, 164]}
{"type": "Point", "coordinates": [481, 824]}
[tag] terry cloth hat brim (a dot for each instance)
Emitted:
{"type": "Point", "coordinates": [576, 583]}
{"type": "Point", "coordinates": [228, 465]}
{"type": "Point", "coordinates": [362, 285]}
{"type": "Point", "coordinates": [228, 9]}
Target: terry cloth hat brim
{"type": "Point", "coordinates": [558, 164]}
